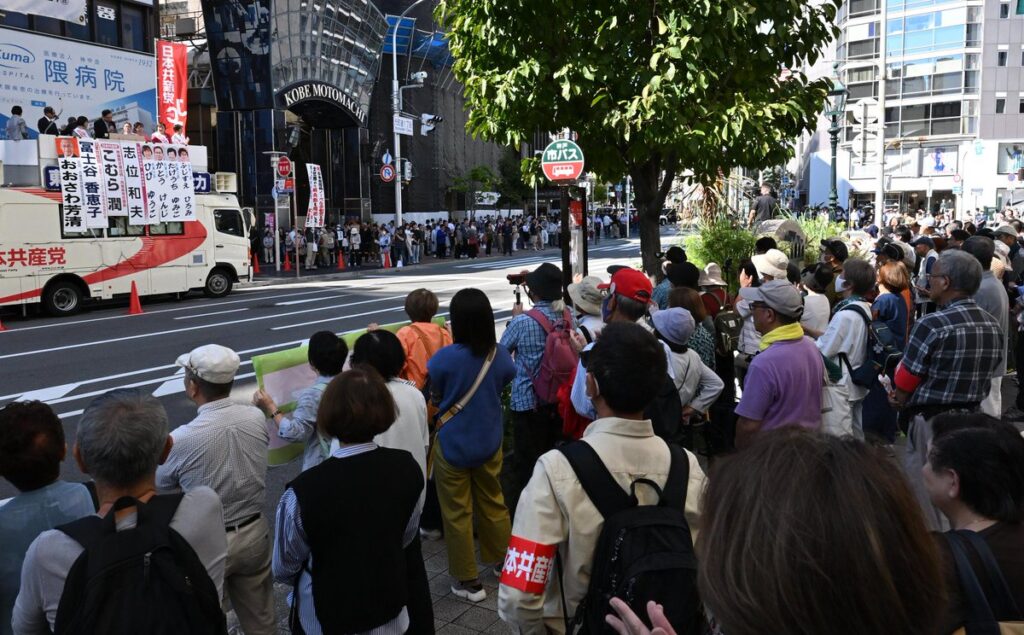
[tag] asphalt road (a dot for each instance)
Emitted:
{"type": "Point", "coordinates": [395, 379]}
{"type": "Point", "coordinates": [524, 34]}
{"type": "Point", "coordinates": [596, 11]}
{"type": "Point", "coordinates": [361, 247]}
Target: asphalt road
{"type": "Point", "coordinates": [67, 362]}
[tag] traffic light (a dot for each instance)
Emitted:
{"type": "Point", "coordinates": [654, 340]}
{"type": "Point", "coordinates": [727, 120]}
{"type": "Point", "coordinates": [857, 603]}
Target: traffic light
{"type": "Point", "coordinates": [428, 122]}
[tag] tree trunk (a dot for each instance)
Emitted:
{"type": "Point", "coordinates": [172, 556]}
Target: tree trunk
{"type": "Point", "coordinates": [649, 197]}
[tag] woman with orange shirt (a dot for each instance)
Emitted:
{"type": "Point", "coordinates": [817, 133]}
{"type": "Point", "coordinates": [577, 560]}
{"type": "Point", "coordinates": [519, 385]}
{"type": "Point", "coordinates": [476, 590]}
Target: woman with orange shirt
{"type": "Point", "coordinates": [422, 338]}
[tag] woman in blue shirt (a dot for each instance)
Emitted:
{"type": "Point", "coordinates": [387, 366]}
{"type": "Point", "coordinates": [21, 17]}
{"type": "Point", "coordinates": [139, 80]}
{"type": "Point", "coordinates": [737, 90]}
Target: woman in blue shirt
{"type": "Point", "coordinates": [467, 456]}
{"type": "Point", "coordinates": [890, 308]}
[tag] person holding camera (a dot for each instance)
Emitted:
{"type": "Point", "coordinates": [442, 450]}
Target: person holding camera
{"type": "Point", "coordinates": [536, 426]}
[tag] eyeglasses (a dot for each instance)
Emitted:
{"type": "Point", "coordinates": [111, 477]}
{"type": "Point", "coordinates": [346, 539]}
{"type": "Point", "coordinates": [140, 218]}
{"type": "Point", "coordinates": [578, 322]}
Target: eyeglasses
{"type": "Point", "coordinates": [759, 305]}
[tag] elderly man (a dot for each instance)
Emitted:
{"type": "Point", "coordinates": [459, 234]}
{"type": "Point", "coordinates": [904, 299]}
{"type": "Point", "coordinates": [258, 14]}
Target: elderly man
{"type": "Point", "coordinates": [31, 450]}
{"type": "Point", "coordinates": [225, 448]}
{"type": "Point", "coordinates": [784, 381]}
{"type": "Point", "coordinates": [950, 360]}
{"type": "Point", "coordinates": [122, 437]}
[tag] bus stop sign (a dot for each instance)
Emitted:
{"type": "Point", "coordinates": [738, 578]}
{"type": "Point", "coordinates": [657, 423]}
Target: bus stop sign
{"type": "Point", "coordinates": [562, 161]}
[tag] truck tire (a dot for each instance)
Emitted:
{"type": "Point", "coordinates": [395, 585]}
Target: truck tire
{"type": "Point", "coordinates": [218, 283]}
{"type": "Point", "coordinates": [63, 298]}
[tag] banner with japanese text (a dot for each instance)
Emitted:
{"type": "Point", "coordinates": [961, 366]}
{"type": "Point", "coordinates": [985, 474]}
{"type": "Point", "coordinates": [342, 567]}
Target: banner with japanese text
{"type": "Point", "coordinates": [147, 182]}
{"type": "Point", "coordinates": [75, 78]}
{"type": "Point", "coordinates": [172, 83]}
{"type": "Point", "coordinates": [317, 211]}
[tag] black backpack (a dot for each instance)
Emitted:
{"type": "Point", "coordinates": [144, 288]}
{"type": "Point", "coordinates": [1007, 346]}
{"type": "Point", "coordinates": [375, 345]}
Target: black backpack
{"type": "Point", "coordinates": [644, 552]}
{"type": "Point", "coordinates": [728, 325]}
{"type": "Point", "coordinates": [984, 613]}
{"type": "Point", "coordinates": [666, 412]}
{"type": "Point", "coordinates": [882, 354]}
{"type": "Point", "coordinates": [142, 580]}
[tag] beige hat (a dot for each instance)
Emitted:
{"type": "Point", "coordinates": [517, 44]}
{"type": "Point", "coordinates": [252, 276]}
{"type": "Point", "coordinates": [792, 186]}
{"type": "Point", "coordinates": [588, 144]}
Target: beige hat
{"type": "Point", "coordinates": [771, 263]}
{"type": "Point", "coordinates": [586, 296]}
{"type": "Point", "coordinates": [212, 362]}
{"type": "Point", "coordinates": [711, 276]}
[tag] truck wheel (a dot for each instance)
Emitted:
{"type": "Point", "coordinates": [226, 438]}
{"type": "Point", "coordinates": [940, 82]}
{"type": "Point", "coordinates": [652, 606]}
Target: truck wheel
{"type": "Point", "coordinates": [218, 284]}
{"type": "Point", "coordinates": [62, 298]}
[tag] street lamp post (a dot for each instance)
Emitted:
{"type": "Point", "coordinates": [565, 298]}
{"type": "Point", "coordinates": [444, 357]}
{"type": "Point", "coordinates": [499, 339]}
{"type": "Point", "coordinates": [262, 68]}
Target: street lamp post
{"type": "Point", "coordinates": [837, 109]}
{"type": "Point", "coordinates": [396, 110]}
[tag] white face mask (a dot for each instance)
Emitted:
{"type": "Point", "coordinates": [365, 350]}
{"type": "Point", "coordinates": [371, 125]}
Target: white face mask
{"type": "Point", "coordinates": [840, 284]}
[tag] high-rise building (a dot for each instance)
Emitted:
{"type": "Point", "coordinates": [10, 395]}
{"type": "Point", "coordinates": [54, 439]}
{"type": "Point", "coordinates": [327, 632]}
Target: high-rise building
{"type": "Point", "coordinates": [945, 76]}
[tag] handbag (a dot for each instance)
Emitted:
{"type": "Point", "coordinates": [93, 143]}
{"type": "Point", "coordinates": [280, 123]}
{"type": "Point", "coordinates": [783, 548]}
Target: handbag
{"type": "Point", "coordinates": [836, 415]}
{"type": "Point", "coordinates": [458, 406]}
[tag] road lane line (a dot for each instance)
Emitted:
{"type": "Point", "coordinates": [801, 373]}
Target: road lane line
{"type": "Point", "coordinates": [20, 329]}
{"type": "Point", "coordinates": [192, 317]}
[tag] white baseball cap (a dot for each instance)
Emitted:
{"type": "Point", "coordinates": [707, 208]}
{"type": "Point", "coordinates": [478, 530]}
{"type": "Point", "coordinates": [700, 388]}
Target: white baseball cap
{"type": "Point", "coordinates": [212, 362]}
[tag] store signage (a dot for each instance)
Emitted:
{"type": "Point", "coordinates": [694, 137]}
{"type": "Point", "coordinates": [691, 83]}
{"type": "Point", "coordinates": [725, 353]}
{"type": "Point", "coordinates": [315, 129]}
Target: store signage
{"type": "Point", "coordinates": [320, 91]}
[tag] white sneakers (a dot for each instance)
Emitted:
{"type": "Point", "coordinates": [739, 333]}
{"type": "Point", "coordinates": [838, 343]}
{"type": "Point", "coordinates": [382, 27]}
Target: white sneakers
{"type": "Point", "coordinates": [472, 591]}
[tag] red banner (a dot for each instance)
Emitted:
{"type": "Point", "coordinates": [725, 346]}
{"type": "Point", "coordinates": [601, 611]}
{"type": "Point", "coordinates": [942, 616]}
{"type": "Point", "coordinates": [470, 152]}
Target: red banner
{"type": "Point", "coordinates": [171, 84]}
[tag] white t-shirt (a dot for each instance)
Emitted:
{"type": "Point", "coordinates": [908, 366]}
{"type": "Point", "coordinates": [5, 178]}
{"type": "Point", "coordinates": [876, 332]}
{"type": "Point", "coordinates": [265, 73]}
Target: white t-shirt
{"type": "Point", "coordinates": [847, 333]}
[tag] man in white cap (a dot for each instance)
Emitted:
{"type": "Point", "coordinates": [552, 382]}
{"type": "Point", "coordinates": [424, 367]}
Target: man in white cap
{"type": "Point", "coordinates": [225, 449]}
{"type": "Point", "coordinates": [587, 298]}
{"type": "Point", "coordinates": [783, 384]}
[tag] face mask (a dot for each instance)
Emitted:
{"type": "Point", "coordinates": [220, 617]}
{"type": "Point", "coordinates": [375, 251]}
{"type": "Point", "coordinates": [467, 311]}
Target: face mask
{"type": "Point", "coordinates": [605, 311]}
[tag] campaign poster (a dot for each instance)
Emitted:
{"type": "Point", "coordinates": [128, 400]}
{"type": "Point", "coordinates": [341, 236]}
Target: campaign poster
{"type": "Point", "coordinates": [70, 184]}
{"type": "Point", "coordinates": [115, 201]}
{"type": "Point", "coordinates": [92, 185]}
{"type": "Point", "coordinates": [172, 83]}
{"type": "Point", "coordinates": [317, 207]}
{"type": "Point", "coordinates": [135, 195]}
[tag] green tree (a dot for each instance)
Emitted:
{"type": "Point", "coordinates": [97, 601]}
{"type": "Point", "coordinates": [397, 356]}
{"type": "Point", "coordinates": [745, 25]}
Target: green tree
{"type": "Point", "coordinates": [511, 185]}
{"type": "Point", "coordinates": [652, 87]}
{"type": "Point", "coordinates": [478, 179]}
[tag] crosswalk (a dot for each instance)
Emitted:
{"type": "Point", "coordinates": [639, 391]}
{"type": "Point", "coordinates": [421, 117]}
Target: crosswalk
{"type": "Point", "coordinates": [631, 248]}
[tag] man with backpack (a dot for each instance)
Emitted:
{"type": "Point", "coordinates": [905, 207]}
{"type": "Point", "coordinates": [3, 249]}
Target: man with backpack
{"type": "Point", "coordinates": [145, 563]}
{"type": "Point", "coordinates": [540, 368]}
{"type": "Point", "coordinates": [596, 507]}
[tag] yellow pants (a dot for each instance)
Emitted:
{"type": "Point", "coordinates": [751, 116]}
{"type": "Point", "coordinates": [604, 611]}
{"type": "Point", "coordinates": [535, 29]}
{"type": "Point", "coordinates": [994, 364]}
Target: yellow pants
{"type": "Point", "coordinates": [459, 492]}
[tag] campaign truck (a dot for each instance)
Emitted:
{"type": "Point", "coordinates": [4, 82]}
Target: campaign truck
{"type": "Point", "coordinates": [109, 213]}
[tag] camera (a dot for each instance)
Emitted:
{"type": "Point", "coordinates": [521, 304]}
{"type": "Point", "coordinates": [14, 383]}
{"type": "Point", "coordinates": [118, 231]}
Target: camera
{"type": "Point", "coordinates": [516, 279]}
{"type": "Point", "coordinates": [419, 77]}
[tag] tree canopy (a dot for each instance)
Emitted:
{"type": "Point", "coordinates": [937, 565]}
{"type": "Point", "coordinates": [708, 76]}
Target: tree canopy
{"type": "Point", "coordinates": [652, 87]}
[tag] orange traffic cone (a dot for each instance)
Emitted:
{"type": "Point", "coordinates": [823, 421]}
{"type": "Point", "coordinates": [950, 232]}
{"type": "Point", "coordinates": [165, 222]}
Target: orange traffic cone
{"type": "Point", "coordinates": [255, 263]}
{"type": "Point", "coordinates": [134, 306]}
{"type": "Point", "coordinates": [287, 263]}
{"type": "Point", "coordinates": [2, 327]}
{"type": "Point", "coordinates": [385, 260]}
{"type": "Point", "coordinates": [341, 261]}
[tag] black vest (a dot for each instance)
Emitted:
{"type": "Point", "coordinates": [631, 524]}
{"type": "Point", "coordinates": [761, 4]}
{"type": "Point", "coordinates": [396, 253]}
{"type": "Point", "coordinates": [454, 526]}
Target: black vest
{"type": "Point", "coordinates": [355, 511]}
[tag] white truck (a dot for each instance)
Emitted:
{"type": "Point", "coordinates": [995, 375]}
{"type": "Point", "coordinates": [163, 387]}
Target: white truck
{"type": "Point", "coordinates": [42, 263]}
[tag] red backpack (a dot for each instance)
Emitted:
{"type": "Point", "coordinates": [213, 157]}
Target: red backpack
{"type": "Point", "coordinates": [559, 359]}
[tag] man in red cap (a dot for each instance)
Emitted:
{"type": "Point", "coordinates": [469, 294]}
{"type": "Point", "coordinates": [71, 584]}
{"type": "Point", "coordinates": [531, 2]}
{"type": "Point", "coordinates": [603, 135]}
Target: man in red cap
{"type": "Point", "coordinates": [629, 295]}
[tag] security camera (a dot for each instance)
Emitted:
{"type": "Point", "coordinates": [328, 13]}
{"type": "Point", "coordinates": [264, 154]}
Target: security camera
{"type": "Point", "coordinates": [419, 77]}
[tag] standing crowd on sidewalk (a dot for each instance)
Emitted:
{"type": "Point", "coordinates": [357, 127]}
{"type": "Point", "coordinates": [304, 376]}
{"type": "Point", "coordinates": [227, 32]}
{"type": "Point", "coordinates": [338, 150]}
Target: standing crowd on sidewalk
{"type": "Point", "coordinates": [743, 450]}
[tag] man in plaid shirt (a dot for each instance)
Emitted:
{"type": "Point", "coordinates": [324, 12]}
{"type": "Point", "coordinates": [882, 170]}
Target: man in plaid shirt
{"type": "Point", "coordinates": [949, 363]}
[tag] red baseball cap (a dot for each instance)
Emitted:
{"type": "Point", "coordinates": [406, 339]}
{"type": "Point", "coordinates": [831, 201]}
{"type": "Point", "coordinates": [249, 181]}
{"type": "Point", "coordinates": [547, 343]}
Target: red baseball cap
{"type": "Point", "coordinates": [630, 283]}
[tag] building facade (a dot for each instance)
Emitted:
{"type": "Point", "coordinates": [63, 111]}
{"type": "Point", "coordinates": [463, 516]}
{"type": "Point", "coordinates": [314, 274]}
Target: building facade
{"type": "Point", "coordinates": [947, 78]}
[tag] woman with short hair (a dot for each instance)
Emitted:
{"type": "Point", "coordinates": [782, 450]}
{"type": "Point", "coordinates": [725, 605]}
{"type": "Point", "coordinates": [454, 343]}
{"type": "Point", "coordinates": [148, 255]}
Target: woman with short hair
{"type": "Point", "coordinates": [342, 527]}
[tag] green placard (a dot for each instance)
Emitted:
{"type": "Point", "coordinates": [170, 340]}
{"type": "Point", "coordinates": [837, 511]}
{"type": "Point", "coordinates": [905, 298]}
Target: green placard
{"type": "Point", "coordinates": [264, 365]}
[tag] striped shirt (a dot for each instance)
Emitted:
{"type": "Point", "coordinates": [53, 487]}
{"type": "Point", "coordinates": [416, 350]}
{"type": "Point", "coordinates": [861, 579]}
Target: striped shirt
{"type": "Point", "coordinates": [225, 449]}
{"type": "Point", "coordinates": [292, 553]}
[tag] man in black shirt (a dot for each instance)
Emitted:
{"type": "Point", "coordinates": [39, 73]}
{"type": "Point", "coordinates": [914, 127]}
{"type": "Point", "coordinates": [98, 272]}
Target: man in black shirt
{"type": "Point", "coordinates": [104, 125]}
{"type": "Point", "coordinates": [764, 207]}
{"type": "Point", "coordinates": [48, 122]}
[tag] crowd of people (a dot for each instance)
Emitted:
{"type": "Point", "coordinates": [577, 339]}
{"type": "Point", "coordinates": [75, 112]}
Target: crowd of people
{"type": "Point", "coordinates": [365, 244]}
{"type": "Point", "coordinates": [82, 127]}
{"type": "Point", "coordinates": [862, 482]}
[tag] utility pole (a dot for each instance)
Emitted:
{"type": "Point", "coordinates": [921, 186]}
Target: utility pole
{"type": "Point", "coordinates": [396, 110]}
{"type": "Point", "coordinates": [880, 141]}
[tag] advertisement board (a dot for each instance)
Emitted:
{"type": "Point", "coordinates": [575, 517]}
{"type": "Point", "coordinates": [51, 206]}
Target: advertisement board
{"type": "Point", "coordinates": [76, 78]}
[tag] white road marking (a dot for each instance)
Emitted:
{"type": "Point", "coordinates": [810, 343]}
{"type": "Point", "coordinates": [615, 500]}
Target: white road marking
{"type": "Point", "coordinates": [48, 393]}
{"type": "Point", "coordinates": [20, 329]}
{"type": "Point", "coordinates": [199, 315]}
